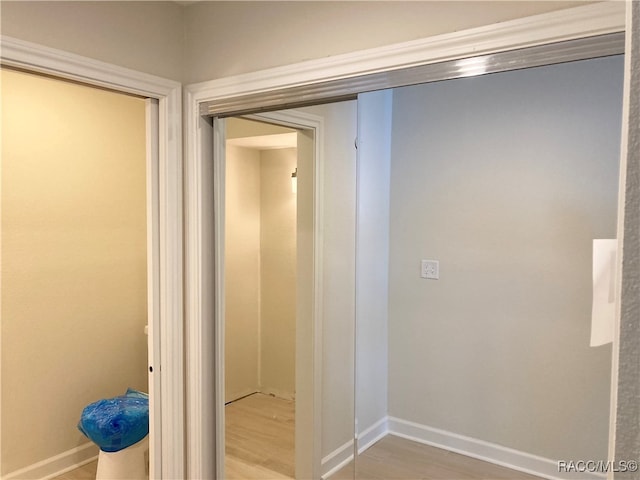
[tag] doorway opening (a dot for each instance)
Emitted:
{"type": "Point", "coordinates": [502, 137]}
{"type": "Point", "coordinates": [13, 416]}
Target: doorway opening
{"type": "Point", "coordinates": [260, 299]}
{"type": "Point", "coordinates": [79, 242]}
{"type": "Point", "coordinates": [208, 100]}
{"type": "Point", "coordinates": [266, 324]}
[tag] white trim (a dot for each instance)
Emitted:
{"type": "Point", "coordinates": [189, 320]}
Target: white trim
{"type": "Point", "coordinates": [245, 392]}
{"type": "Point", "coordinates": [219, 325]}
{"type": "Point", "coordinates": [37, 58]}
{"type": "Point", "coordinates": [205, 228]}
{"type": "Point", "coordinates": [58, 464]}
{"type": "Point", "coordinates": [482, 450]}
{"type": "Point", "coordinates": [203, 390]}
{"type": "Point", "coordinates": [337, 459]}
{"type": "Point", "coordinates": [471, 447]}
{"type": "Point", "coordinates": [275, 392]}
{"type": "Point", "coordinates": [153, 283]}
{"type": "Point", "coordinates": [50, 61]}
{"type": "Point", "coordinates": [584, 21]}
{"type": "Point", "coordinates": [372, 434]}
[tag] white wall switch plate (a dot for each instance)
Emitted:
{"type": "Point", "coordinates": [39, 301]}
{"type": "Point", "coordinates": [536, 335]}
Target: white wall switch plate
{"type": "Point", "coordinates": [430, 269]}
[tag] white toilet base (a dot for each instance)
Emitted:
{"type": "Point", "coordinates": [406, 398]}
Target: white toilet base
{"type": "Point", "coordinates": [129, 464]}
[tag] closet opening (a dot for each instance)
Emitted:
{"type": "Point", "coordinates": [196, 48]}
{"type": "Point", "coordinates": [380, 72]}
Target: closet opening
{"type": "Point", "coordinates": [222, 108]}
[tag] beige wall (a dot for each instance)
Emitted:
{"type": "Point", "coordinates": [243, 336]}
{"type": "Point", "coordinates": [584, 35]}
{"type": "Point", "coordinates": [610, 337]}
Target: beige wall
{"type": "Point", "coordinates": [207, 39]}
{"type": "Point", "coordinates": [505, 179]}
{"type": "Point", "coordinates": [73, 259]}
{"type": "Point", "coordinates": [278, 273]}
{"type": "Point", "coordinates": [260, 258]}
{"type": "Point", "coordinates": [242, 272]}
{"type": "Point", "coordinates": [228, 38]}
{"type": "Point", "coordinates": [144, 36]}
{"type": "Point", "coordinates": [338, 284]}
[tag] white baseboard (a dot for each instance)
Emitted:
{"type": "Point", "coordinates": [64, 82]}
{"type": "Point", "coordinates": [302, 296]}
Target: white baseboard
{"type": "Point", "coordinates": [278, 393]}
{"type": "Point", "coordinates": [57, 465]}
{"type": "Point", "coordinates": [233, 396]}
{"type": "Point", "coordinates": [337, 459]}
{"type": "Point", "coordinates": [372, 434]}
{"type": "Point", "coordinates": [489, 452]}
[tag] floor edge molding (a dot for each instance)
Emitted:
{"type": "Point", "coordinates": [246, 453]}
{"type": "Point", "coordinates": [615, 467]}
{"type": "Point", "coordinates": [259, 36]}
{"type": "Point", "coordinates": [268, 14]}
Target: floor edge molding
{"type": "Point", "coordinates": [337, 459]}
{"type": "Point", "coordinates": [482, 450]}
{"type": "Point", "coordinates": [372, 434]}
{"type": "Point", "coordinates": [56, 465]}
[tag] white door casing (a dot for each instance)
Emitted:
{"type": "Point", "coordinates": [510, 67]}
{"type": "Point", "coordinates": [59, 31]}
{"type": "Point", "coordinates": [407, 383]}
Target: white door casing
{"type": "Point", "coordinates": [308, 419]}
{"type": "Point", "coordinates": [153, 283]}
{"type": "Point", "coordinates": [309, 296]}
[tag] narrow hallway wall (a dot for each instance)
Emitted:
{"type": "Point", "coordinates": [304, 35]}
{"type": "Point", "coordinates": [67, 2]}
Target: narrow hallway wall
{"type": "Point", "coordinates": [242, 272]}
{"type": "Point", "coordinates": [277, 273]}
{"type": "Point", "coordinates": [260, 262]}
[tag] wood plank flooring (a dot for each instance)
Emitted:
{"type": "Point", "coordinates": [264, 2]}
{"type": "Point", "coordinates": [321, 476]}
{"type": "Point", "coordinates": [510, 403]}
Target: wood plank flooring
{"type": "Point", "coordinates": [85, 472]}
{"type": "Point", "coordinates": [260, 445]}
{"type": "Point", "coordinates": [260, 438]}
{"type": "Point", "coordinates": [395, 458]}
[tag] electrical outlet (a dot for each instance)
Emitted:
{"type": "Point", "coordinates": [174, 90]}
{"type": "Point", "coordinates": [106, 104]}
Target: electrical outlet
{"type": "Point", "coordinates": [430, 269]}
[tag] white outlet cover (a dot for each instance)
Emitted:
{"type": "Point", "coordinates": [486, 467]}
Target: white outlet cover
{"type": "Point", "coordinates": [430, 269]}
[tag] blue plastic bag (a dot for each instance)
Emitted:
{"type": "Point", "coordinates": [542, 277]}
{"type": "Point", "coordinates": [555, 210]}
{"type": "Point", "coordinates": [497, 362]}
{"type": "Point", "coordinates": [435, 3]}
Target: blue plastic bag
{"type": "Point", "coordinates": [116, 423]}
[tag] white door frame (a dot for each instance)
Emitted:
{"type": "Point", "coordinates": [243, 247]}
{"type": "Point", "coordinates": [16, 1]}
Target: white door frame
{"type": "Point", "coordinates": [570, 24]}
{"type": "Point", "coordinates": [309, 381]}
{"type": "Point", "coordinates": [164, 238]}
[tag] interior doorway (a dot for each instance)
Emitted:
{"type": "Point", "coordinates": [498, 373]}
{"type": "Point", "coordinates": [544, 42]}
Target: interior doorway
{"type": "Point", "coordinates": [266, 326]}
{"type": "Point", "coordinates": [80, 203]}
{"type": "Point", "coordinates": [260, 299]}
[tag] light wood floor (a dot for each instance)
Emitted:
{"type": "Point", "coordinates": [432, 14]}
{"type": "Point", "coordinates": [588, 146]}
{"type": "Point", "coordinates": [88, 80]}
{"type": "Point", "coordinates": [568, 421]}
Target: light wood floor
{"type": "Point", "coordinates": [260, 438]}
{"type": "Point", "coordinates": [86, 472]}
{"type": "Point", "coordinates": [260, 446]}
{"type": "Point", "coordinates": [394, 458]}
